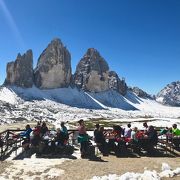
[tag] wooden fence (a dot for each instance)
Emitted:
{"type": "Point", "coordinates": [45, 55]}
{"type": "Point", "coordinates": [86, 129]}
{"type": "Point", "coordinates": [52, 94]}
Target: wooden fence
{"type": "Point", "coordinates": [11, 142]}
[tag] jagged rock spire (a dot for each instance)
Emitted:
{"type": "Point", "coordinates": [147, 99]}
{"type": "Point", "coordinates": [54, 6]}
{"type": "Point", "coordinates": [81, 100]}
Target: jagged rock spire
{"type": "Point", "coordinates": [20, 72]}
{"type": "Point", "coordinates": [92, 74]}
{"type": "Point", "coordinates": [54, 67]}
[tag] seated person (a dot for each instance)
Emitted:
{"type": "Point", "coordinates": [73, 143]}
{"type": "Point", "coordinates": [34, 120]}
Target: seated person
{"type": "Point", "coordinates": [117, 143]}
{"type": "Point", "coordinates": [64, 130]}
{"type": "Point", "coordinates": [97, 126]}
{"type": "Point", "coordinates": [175, 130]}
{"type": "Point", "coordinates": [145, 127]}
{"type": "Point", "coordinates": [35, 136]}
{"type": "Point", "coordinates": [60, 138]}
{"type": "Point", "coordinates": [134, 133]}
{"type": "Point", "coordinates": [100, 141]}
{"type": "Point", "coordinates": [150, 139]}
{"type": "Point", "coordinates": [176, 135]}
{"type": "Point", "coordinates": [135, 136]}
{"type": "Point", "coordinates": [43, 129]}
{"type": "Point", "coordinates": [27, 132]}
{"type": "Point", "coordinates": [26, 136]}
{"type": "Point", "coordinates": [127, 131]}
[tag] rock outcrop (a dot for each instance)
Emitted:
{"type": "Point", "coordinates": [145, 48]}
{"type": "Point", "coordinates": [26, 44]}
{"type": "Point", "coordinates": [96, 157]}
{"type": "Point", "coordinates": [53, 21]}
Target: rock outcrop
{"type": "Point", "coordinates": [170, 95]}
{"type": "Point", "coordinates": [140, 93]}
{"type": "Point", "coordinates": [53, 70]}
{"type": "Point", "coordinates": [92, 74]}
{"type": "Point", "coordinates": [54, 67]}
{"type": "Point", "coordinates": [20, 72]}
{"type": "Point", "coordinates": [116, 83]}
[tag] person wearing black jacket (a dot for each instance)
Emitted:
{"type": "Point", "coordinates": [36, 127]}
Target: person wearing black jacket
{"type": "Point", "coordinates": [100, 141]}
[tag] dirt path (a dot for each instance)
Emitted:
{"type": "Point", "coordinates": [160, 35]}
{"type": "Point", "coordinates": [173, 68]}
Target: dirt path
{"type": "Point", "coordinates": [85, 169]}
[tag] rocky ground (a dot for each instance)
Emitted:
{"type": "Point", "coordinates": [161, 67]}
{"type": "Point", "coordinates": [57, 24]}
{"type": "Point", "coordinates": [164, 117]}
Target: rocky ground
{"type": "Point", "coordinates": [81, 169]}
{"type": "Point", "coordinates": [4, 165]}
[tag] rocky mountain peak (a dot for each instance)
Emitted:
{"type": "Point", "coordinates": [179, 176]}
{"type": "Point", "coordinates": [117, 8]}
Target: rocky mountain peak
{"type": "Point", "coordinates": [140, 93]}
{"type": "Point", "coordinates": [56, 42]}
{"type": "Point", "coordinates": [93, 53]}
{"type": "Point", "coordinates": [92, 74]}
{"type": "Point", "coordinates": [54, 66]}
{"type": "Point", "coordinates": [20, 72]}
{"type": "Point", "coordinates": [53, 70]}
{"type": "Point", "coordinates": [170, 95]}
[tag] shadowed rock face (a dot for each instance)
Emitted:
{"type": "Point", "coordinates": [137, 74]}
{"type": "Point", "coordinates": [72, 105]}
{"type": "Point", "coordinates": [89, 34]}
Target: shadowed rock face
{"type": "Point", "coordinates": [92, 74]}
{"type": "Point", "coordinates": [20, 72]}
{"type": "Point", "coordinates": [140, 93]}
{"type": "Point", "coordinates": [170, 95]}
{"type": "Point", "coordinates": [116, 83]}
{"type": "Point", "coordinates": [54, 67]}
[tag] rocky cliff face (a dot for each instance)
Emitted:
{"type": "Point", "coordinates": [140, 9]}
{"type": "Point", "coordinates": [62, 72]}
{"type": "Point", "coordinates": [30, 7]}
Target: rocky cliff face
{"type": "Point", "coordinates": [53, 70]}
{"type": "Point", "coordinates": [170, 95]}
{"type": "Point", "coordinates": [54, 67]}
{"type": "Point", "coordinates": [140, 93]}
{"type": "Point", "coordinates": [116, 83]}
{"type": "Point", "coordinates": [92, 74]}
{"type": "Point", "coordinates": [20, 72]}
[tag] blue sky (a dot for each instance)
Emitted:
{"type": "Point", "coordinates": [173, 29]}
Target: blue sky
{"type": "Point", "coordinates": [140, 39]}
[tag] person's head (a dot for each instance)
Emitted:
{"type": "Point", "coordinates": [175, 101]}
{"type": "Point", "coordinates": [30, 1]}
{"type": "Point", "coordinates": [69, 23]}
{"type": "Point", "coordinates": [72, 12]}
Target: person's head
{"type": "Point", "coordinates": [97, 126]}
{"type": "Point", "coordinates": [39, 123]}
{"type": "Point", "coordinates": [27, 126]}
{"type": "Point", "coordinates": [145, 124]}
{"type": "Point", "coordinates": [129, 125]}
{"type": "Point", "coordinates": [102, 128]}
{"type": "Point", "coordinates": [58, 130]}
{"type": "Point", "coordinates": [135, 129]}
{"type": "Point", "coordinates": [43, 124]}
{"type": "Point", "coordinates": [151, 128]}
{"type": "Point", "coordinates": [81, 122]}
{"type": "Point", "coordinates": [62, 124]}
{"type": "Point", "coordinates": [114, 127]}
{"type": "Point", "coordinates": [174, 126]}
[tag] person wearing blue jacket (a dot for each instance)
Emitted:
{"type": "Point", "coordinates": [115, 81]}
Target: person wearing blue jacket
{"type": "Point", "coordinates": [27, 132]}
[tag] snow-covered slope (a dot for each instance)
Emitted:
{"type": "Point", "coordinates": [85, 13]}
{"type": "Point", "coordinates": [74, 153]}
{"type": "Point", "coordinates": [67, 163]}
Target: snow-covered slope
{"type": "Point", "coordinates": [114, 99]}
{"type": "Point", "coordinates": [71, 104]}
{"type": "Point", "coordinates": [170, 95]}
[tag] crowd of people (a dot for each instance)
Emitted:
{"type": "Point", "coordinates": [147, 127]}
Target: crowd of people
{"type": "Point", "coordinates": [119, 138]}
{"type": "Point", "coordinates": [116, 139]}
{"type": "Point", "coordinates": [41, 133]}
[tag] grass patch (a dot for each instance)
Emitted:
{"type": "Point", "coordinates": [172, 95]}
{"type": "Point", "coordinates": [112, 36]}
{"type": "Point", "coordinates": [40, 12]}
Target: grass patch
{"type": "Point", "coordinates": [146, 116]}
{"type": "Point", "coordinates": [91, 124]}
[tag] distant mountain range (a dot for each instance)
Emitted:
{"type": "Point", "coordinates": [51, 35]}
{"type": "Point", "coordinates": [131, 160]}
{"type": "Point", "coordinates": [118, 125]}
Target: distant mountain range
{"type": "Point", "coordinates": [92, 76]}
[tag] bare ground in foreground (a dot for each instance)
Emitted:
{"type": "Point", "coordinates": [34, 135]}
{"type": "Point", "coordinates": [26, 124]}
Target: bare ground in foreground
{"type": "Point", "coordinates": [85, 169]}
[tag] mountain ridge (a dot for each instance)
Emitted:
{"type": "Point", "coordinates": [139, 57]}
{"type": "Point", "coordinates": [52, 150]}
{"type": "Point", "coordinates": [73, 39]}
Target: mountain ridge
{"type": "Point", "coordinates": [170, 94]}
{"type": "Point", "coordinates": [53, 70]}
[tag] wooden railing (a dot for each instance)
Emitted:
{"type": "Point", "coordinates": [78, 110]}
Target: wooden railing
{"type": "Point", "coordinates": [11, 142]}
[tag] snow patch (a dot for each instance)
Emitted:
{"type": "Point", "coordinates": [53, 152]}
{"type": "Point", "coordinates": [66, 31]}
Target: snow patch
{"type": "Point", "coordinates": [147, 175]}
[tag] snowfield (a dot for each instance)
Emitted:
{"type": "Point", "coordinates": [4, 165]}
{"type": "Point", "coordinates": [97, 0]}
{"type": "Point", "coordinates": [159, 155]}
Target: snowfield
{"type": "Point", "coordinates": [71, 104]}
